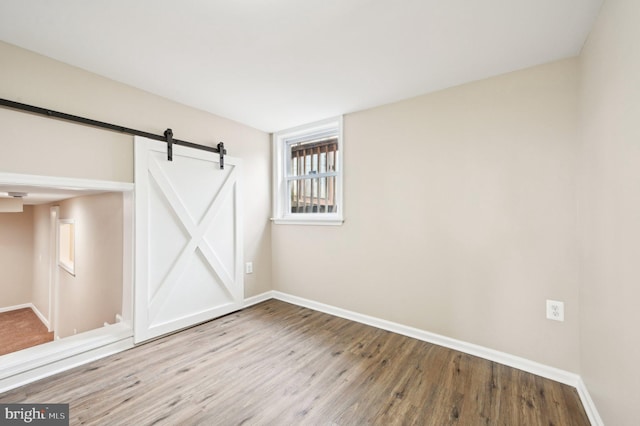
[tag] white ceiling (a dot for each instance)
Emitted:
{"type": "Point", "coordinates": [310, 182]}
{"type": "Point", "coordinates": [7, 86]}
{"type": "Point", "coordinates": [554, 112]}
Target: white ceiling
{"type": "Point", "coordinates": [279, 63]}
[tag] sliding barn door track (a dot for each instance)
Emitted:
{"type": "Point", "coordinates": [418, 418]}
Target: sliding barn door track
{"type": "Point", "coordinates": [167, 137]}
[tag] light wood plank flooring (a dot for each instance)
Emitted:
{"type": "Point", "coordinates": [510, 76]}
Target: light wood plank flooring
{"type": "Point", "coordinates": [280, 364]}
{"type": "Point", "coordinates": [21, 329]}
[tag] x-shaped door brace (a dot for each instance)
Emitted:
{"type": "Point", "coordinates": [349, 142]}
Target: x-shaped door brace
{"type": "Point", "coordinates": [196, 233]}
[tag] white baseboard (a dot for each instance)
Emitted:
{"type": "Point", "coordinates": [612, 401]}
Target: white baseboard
{"type": "Point", "coordinates": [589, 406]}
{"type": "Point", "coordinates": [16, 307]}
{"type": "Point", "coordinates": [254, 300]}
{"type": "Point", "coordinates": [44, 320]}
{"type": "Point", "coordinates": [519, 363]}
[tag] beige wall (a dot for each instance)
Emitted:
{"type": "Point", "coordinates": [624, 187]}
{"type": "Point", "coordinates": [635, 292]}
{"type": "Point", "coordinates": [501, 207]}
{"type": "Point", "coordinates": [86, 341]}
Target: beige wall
{"type": "Point", "coordinates": [42, 146]}
{"type": "Point", "coordinates": [94, 295]}
{"type": "Point", "coordinates": [460, 216]}
{"type": "Point", "coordinates": [16, 257]}
{"type": "Point", "coordinates": [610, 213]}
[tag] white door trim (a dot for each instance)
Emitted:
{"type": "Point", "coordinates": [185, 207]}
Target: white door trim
{"type": "Point", "coordinates": [44, 360]}
{"type": "Point", "coordinates": [54, 214]}
{"type": "Point", "coordinates": [64, 182]}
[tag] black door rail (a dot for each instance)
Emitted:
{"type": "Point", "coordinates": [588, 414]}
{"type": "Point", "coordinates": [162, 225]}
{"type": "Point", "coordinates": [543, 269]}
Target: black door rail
{"type": "Point", "coordinates": [167, 137]}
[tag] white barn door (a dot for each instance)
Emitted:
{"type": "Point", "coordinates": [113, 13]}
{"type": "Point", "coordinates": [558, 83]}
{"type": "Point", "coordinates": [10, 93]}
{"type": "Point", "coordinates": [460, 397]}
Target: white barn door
{"type": "Point", "coordinates": [188, 238]}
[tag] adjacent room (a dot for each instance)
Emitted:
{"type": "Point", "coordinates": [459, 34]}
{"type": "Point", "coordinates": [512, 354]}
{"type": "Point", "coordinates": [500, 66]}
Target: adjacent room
{"type": "Point", "coordinates": [46, 294]}
{"type": "Point", "coordinates": [354, 212]}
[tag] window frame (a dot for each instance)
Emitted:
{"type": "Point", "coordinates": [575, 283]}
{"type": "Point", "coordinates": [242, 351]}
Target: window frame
{"type": "Point", "coordinates": [282, 164]}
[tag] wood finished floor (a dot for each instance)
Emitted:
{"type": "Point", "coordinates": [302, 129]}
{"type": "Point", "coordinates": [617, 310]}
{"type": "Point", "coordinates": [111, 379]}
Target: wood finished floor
{"type": "Point", "coordinates": [280, 364]}
{"type": "Point", "coordinates": [21, 329]}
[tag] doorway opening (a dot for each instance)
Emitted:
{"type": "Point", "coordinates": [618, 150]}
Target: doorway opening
{"type": "Point", "coordinates": [80, 293]}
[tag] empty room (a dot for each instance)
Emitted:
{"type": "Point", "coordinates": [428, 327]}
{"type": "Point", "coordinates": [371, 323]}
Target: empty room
{"type": "Point", "coordinates": [321, 212]}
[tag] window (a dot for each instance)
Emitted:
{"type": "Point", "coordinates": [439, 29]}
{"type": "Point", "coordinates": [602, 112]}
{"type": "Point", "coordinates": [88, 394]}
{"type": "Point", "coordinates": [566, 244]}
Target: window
{"type": "Point", "coordinates": [67, 245]}
{"type": "Point", "coordinates": [308, 174]}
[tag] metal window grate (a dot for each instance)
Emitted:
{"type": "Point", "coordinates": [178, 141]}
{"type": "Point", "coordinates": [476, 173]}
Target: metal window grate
{"type": "Point", "coordinates": [312, 176]}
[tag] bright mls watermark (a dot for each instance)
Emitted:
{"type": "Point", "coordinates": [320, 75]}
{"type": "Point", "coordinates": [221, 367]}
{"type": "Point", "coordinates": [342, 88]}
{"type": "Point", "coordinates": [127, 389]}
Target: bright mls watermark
{"type": "Point", "coordinates": [34, 414]}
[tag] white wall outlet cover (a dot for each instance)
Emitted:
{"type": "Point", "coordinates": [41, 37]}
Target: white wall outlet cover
{"type": "Point", "coordinates": [248, 268]}
{"type": "Point", "coordinates": [555, 310]}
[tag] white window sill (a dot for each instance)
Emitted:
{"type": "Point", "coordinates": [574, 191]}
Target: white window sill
{"type": "Point", "coordinates": [307, 221]}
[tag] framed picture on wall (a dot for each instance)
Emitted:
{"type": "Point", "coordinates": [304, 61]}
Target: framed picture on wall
{"type": "Point", "coordinates": [67, 245]}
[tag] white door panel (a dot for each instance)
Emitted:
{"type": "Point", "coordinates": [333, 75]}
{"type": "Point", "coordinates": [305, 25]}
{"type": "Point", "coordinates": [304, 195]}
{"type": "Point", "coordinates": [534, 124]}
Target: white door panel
{"type": "Point", "coordinates": [188, 239]}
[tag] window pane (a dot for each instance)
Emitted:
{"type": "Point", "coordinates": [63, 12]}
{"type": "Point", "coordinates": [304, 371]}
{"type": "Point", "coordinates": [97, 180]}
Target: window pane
{"type": "Point", "coordinates": [313, 195]}
{"type": "Point", "coordinates": [314, 156]}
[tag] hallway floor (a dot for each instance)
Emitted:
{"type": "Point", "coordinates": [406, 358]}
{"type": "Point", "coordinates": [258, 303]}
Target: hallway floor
{"type": "Point", "coordinates": [21, 329]}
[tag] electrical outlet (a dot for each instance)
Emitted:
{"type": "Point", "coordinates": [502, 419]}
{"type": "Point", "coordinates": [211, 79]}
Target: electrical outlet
{"type": "Point", "coordinates": [555, 310]}
{"type": "Point", "coordinates": [248, 268]}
